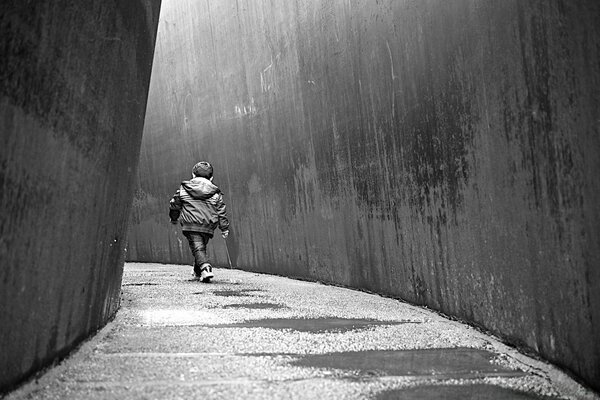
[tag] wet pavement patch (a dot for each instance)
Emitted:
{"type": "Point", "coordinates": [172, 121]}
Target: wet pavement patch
{"type": "Point", "coordinates": [256, 306]}
{"type": "Point", "coordinates": [233, 293]}
{"type": "Point", "coordinates": [439, 363]}
{"type": "Point", "coordinates": [314, 325]}
{"type": "Point", "coordinates": [466, 392]}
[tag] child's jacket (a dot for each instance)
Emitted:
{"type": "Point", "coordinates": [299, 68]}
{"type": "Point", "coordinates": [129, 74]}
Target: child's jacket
{"type": "Point", "coordinates": [199, 205]}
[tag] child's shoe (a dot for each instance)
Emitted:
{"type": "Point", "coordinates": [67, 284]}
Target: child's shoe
{"type": "Point", "coordinates": [206, 273]}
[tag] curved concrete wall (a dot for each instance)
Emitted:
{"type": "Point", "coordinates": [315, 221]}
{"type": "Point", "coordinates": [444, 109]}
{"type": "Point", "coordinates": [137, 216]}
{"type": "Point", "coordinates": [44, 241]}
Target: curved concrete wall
{"type": "Point", "coordinates": [74, 80]}
{"type": "Point", "coordinates": [445, 152]}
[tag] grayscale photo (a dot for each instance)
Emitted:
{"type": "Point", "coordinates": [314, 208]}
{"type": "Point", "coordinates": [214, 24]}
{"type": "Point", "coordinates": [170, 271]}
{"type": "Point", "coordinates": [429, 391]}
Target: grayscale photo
{"type": "Point", "coordinates": [300, 199]}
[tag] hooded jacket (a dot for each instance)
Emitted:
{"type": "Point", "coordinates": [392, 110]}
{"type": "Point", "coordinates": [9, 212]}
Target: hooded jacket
{"type": "Point", "coordinates": [199, 205]}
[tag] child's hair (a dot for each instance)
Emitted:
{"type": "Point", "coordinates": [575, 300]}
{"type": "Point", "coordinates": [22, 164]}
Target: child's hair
{"type": "Point", "coordinates": [203, 169]}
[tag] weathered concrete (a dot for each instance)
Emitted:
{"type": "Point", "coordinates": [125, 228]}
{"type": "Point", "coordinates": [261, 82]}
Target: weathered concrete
{"type": "Point", "coordinates": [74, 80]}
{"type": "Point", "coordinates": [442, 151]}
{"type": "Point", "coordinates": [174, 338]}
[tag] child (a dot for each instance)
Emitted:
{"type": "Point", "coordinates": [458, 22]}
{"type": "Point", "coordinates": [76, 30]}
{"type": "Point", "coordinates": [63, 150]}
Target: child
{"type": "Point", "coordinates": [200, 205]}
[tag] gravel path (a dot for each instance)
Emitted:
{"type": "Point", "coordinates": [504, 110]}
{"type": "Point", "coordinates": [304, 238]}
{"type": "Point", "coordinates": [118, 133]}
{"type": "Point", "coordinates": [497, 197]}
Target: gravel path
{"type": "Point", "coordinates": [252, 336]}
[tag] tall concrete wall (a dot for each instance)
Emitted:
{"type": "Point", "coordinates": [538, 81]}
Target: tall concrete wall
{"type": "Point", "coordinates": [445, 152]}
{"type": "Point", "coordinates": [74, 80]}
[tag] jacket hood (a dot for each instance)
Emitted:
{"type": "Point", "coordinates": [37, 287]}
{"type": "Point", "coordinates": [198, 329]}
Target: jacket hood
{"type": "Point", "coordinates": [200, 188]}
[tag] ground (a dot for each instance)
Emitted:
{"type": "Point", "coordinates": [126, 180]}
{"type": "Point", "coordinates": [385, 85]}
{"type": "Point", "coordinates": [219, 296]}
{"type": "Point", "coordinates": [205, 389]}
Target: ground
{"type": "Point", "coordinates": [253, 336]}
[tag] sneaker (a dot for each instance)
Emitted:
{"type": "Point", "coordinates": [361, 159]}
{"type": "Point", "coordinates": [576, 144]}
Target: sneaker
{"type": "Point", "coordinates": [197, 271]}
{"type": "Point", "coordinates": [206, 273]}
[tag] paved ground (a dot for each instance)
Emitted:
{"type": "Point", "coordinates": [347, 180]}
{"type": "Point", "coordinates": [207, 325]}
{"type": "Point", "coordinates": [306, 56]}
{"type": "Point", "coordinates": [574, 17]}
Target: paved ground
{"type": "Point", "coordinates": [251, 336]}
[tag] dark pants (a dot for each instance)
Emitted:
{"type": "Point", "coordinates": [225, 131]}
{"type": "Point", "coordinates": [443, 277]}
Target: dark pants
{"type": "Point", "coordinates": [198, 242]}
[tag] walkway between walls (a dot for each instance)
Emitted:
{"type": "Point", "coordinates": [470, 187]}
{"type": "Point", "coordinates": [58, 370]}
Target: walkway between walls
{"type": "Point", "coordinates": [252, 336]}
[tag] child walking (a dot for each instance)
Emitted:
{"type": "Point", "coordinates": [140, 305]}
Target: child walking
{"type": "Point", "coordinates": [198, 203]}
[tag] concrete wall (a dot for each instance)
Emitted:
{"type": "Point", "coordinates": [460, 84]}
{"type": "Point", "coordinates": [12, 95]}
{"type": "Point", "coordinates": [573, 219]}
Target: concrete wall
{"type": "Point", "coordinates": [74, 81]}
{"type": "Point", "coordinates": [445, 152]}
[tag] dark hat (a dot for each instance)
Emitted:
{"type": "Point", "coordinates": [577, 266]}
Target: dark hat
{"type": "Point", "coordinates": [203, 169]}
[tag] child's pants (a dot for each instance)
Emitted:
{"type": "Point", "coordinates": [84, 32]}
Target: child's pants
{"type": "Point", "coordinates": [198, 242]}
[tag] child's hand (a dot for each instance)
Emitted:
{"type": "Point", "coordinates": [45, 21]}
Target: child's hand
{"type": "Point", "coordinates": [225, 234]}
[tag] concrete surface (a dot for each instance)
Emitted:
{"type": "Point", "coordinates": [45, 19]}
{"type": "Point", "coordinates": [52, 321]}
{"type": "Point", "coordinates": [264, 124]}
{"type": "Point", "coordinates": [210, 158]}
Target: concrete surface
{"type": "Point", "coordinates": [253, 336]}
{"type": "Point", "coordinates": [74, 79]}
{"type": "Point", "coordinates": [444, 152]}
